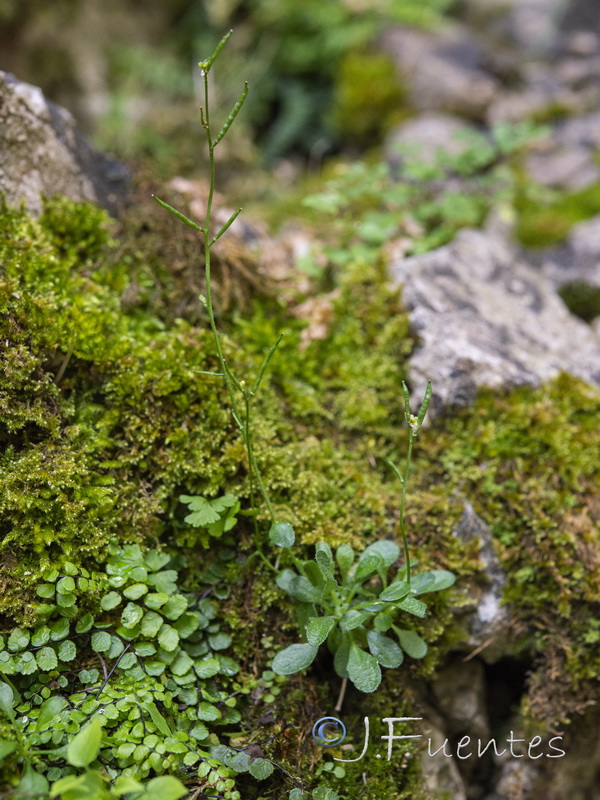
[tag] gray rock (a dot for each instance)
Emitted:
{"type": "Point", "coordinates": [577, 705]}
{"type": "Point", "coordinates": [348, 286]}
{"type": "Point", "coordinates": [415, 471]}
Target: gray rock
{"type": "Point", "coordinates": [568, 158]}
{"type": "Point", "coordinates": [460, 693]}
{"type": "Point", "coordinates": [425, 135]}
{"type": "Point", "coordinates": [486, 318]}
{"type": "Point", "coordinates": [517, 780]}
{"type": "Point", "coordinates": [487, 620]}
{"type": "Point", "coordinates": [582, 15]}
{"type": "Point", "coordinates": [583, 131]}
{"type": "Point", "coordinates": [584, 241]}
{"type": "Point", "coordinates": [569, 167]}
{"type": "Point", "coordinates": [443, 71]}
{"type": "Point", "coordinates": [42, 153]}
{"type": "Point", "coordinates": [441, 776]}
{"type": "Point", "coordinates": [530, 26]}
{"type": "Point", "coordinates": [535, 24]}
{"type": "Point", "coordinates": [578, 260]}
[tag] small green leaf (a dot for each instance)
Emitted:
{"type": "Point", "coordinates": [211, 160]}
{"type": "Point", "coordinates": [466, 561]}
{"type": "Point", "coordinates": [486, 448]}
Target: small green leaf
{"type": "Point", "coordinates": [84, 748]}
{"type": "Point", "coordinates": [188, 623]}
{"type": "Point", "coordinates": [260, 769]}
{"type": "Point", "coordinates": [363, 670]}
{"type": "Point", "coordinates": [206, 668]}
{"type": "Point", "coordinates": [367, 566]}
{"type": "Point", "coordinates": [59, 630]}
{"type": "Point", "coordinates": [384, 649]}
{"type": "Point", "coordinates": [344, 556]}
{"type": "Point", "coordinates": [151, 624]}
{"type": "Point", "coordinates": [72, 787]}
{"type": "Point", "coordinates": [294, 658]}
{"type": "Point", "coordinates": [219, 641]}
{"type": "Point", "coordinates": [203, 512]}
{"type": "Point", "coordinates": [18, 639]}
{"type": "Point", "coordinates": [46, 659]}
{"type": "Point", "coordinates": [433, 581]}
{"type": "Point", "coordinates": [175, 607]}
{"type": "Point", "coordinates": [156, 560]}
{"type": "Point", "coordinates": [110, 601]}
{"type": "Point", "coordinates": [32, 784]}
{"type": "Point", "coordinates": [45, 590]}
{"type": "Point", "coordinates": [388, 551]}
{"type": "Point", "coordinates": [158, 719]}
{"type": "Point", "coordinates": [199, 731]}
{"type": "Point", "coordinates": [168, 638]}
{"type": "Point", "coordinates": [413, 606]}
{"type": "Point", "coordinates": [318, 629]}
{"type": "Point", "coordinates": [324, 558]}
{"type": "Point", "coordinates": [352, 619]}
{"type": "Point", "coordinates": [299, 587]}
{"type": "Point", "coordinates": [100, 641]}
{"type": "Point", "coordinates": [116, 647]}
{"type": "Point", "coordinates": [65, 585]}
{"type": "Point", "coordinates": [132, 614]}
{"type": "Point", "coordinates": [182, 664]}
{"type": "Point", "coordinates": [164, 788]}
{"type": "Point", "coordinates": [383, 622]}
{"type": "Point", "coordinates": [67, 650]}
{"type": "Point", "coordinates": [145, 649]}
{"type": "Point", "coordinates": [208, 712]}
{"type": "Point", "coordinates": [7, 699]}
{"type": "Point", "coordinates": [282, 534]}
{"type": "Point", "coordinates": [395, 591]}
{"type": "Point", "coordinates": [135, 591]}
{"type": "Point", "coordinates": [6, 748]}
{"type": "Point", "coordinates": [129, 660]}
{"type": "Point", "coordinates": [125, 784]}
{"type": "Point", "coordinates": [49, 710]}
{"type": "Point", "coordinates": [156, 600]}
{"type": "Point", "coordinates": [84, 624]}
{"type": "Point", "coordinates": [164, 581]}
{"type": "Point", "coordinates": [65, 600]}
{"type": "Point", "coordinates": [41, 636]}
{"type": "Point", "coordinates": [412, 644]}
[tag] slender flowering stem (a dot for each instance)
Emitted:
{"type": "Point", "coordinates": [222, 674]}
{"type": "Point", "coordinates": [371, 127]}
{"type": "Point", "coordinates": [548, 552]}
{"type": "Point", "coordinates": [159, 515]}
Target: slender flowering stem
{"type": "Point", "coordinates": [241, 415]}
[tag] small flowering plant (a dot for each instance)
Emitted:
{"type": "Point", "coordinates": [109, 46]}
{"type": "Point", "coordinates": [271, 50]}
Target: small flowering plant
{"type": "Point", "coordinates": [351, 603]}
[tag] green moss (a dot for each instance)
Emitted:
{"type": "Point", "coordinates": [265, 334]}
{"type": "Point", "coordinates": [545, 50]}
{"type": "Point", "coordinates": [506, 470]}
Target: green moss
{"type": "Point", "coordinates": [529, 463]}
{"type": "Point", "coordinates": [368, 99]}
{"type": "Point", "coordinates": [102, 414]}
{"type": "Point", "coordinates": [547, 223]}
{"type": "Point", "coordinates": [104, 421]}
{"type": "Point", "coordinates": [581, 299]}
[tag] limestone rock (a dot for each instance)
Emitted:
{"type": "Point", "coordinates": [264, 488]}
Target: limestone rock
{"type": "Point", "coordinates": [486, 318]}
{"type": "Point", "coordinates": [578, 260]}
{"type": "Point", "coordinates": [487, 621]}
{"type": "Point", "coordinates": [568, 159]}
{"type": "Point", "coordinates": [441, 776]}
{"type": "Point", "coordinates": [459, 691]}
{"type": "Point", "coordinates": [42, 153]}
{"type": "Point", "coordinates": [427, 134]}
{"type": "Point", "coordinates": [442, 72]}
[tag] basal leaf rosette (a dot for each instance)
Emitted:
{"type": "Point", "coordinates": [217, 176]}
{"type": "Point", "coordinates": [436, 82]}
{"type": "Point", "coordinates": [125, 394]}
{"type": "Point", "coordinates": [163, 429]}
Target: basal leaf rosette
{"type": "Point", "coordinates": [350, 605]}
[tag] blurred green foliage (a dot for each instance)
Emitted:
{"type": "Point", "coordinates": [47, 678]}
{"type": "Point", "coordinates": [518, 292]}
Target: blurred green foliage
{"type": "Point", "coordinates": [295, 57]}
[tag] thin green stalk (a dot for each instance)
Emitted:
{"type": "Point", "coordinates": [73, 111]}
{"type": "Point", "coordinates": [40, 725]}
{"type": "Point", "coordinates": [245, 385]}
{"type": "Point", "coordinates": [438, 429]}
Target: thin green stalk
{"type": "Point", "coordinates": [402, 504]}
{"type": "Point", "coordinates": [414, 426]}
{"type": "Point", "coordinates": [243, 421]}
{"type": "Point", "coordinates": [245, 426]}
